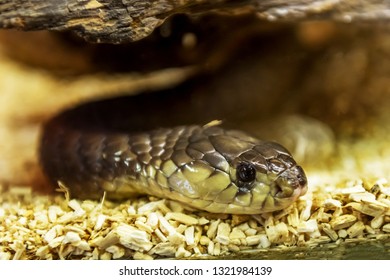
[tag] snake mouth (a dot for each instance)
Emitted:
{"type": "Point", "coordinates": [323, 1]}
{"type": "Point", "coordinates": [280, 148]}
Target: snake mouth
{"type": "Point", "coordinates": [291, 183]}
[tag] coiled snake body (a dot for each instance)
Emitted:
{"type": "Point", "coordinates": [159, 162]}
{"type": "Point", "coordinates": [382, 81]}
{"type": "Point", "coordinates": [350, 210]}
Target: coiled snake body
{"type": "Point", "coordinates": [127, 146]}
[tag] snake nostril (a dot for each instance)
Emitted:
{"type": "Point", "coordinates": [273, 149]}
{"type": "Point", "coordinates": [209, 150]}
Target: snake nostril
{"type": "Point", "coordinates": [301, 177]}
{"type": "Point", "coordinates": [302, 180]}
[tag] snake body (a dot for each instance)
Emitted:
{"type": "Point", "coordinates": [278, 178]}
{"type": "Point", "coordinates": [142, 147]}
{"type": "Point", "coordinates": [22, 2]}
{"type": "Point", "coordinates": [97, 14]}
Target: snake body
{"type": "Point", "coordinates": [127, 146]}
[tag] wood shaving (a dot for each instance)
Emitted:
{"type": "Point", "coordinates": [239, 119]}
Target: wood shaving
{"type": "Point", "coordinates": [34, 226]}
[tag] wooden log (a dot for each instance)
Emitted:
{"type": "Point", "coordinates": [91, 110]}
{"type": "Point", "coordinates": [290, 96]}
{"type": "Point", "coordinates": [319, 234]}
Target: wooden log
{"type": "Point", "coordinates": [114, 21]}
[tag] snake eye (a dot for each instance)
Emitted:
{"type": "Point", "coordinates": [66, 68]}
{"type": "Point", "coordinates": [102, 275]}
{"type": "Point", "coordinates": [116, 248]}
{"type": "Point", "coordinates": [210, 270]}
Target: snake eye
{"type": "Point", "coordinates": [246, 172]}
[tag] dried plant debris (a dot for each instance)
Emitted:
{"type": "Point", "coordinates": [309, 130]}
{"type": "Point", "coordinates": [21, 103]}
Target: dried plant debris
{"type": "Point", "coordinates": [46, 227]}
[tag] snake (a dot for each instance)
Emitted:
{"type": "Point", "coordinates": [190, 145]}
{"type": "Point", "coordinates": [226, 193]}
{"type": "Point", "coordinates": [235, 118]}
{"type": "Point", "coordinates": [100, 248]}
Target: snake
{"type": "Point", "coordinates": [162, 144]}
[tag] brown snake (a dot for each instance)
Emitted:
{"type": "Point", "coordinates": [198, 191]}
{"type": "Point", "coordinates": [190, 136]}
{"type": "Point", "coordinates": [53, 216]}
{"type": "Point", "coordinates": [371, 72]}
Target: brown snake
{"type": "Point", "coordinates": [142, 144]}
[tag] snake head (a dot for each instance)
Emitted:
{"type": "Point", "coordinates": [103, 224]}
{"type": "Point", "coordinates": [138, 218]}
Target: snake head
{"type": "Point", "coordinates": [264, 177]}
{"type": "Point", "coordinates": [267, 178]}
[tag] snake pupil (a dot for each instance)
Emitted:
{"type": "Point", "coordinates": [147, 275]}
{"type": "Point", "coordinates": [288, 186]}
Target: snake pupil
{"type": "Point", "coordinates": [246, 172]}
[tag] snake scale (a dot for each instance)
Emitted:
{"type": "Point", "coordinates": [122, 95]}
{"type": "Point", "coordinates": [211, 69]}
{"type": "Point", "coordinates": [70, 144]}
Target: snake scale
{"type": "Point", "coordinates": [157, 144]}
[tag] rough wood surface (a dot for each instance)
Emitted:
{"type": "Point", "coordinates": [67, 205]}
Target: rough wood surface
{"type": "Point", "coordinates": [119, 21]}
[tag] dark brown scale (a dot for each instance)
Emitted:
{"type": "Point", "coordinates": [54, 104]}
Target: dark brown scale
{"type": "Point", "coordinates": [167, 154]}
{"type": "Point", "coordinates": [139, 139]}
{"type": "Point", "coordinates": [203, 145]}
{"type": "Point", "coordinates": [128, 155]}
{"type": "Point", "coordinates": [141, 148]}
{"type": "Point", "coordinates": [230, 146]}
{"type": "Point", "coordinates": [158, 139]}
{"type": "Point", "coordinates": [156, 151]}
{"type": "Point", "coordinates": [144, 158]}
{"type": "Point", "coordinates": [195, 154]}
{"type": "Point", "coordinates": [174, 135]}
{"type": "Point", "coordinates": [215, 159]}
{"type": "Point", "coordinates": [181, 143]}
{"type": "Point", "coordinates": [196, 137]}
{"type": "Point", "coordinates": [180, 157]}
{"type": "Point", "coordinates": [276, 165]}
{"type": "Point", "coordinates": [271, 150]}
{"type": "Point", "coordinates": [287, 160]}
{"type": "Point", "coordinates": [169, 144]}
{"type": "Point", "coordinates": [155, 162]}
